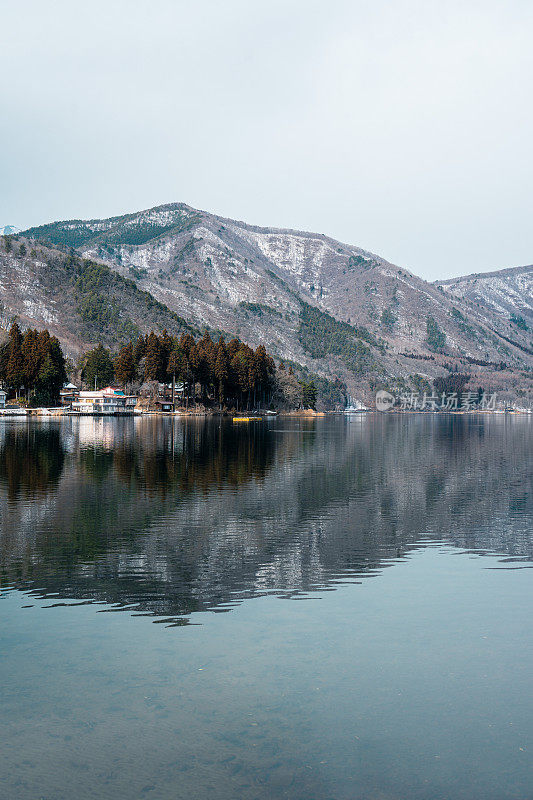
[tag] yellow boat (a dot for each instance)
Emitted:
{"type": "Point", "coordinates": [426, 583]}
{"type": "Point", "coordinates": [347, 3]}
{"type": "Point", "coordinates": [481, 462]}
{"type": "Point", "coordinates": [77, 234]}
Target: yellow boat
{"type": "Point", "coordinates": [245, 419]}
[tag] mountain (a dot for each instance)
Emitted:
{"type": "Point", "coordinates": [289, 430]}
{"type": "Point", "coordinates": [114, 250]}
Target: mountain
{"type": "Point", "coordinates": [506, 293]}
{"type": "Point", "coordinates": [336, 309]}
{"type": "Point", "coordinates": [8, 230]}
{"type": "Point", "coordinates": [79, 301]}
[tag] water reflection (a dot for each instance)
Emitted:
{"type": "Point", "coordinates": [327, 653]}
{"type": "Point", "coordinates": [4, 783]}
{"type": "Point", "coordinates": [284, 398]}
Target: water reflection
{"type": "Point", "coordinates": [174, 516]}
{"type": "Point", "coordinates": [31, 461]}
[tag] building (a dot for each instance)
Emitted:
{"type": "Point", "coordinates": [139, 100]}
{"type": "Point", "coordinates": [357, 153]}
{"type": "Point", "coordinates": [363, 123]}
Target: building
{"type": "Point", "coordinates": [179, 389]}
{"type": "Point", "coordinates": [3, 396]}
{"type": "Point", "coordinates": [69, 394]}
{"type": "Point", "coordinates": [104, 401]}
{"type": "Point", "coordinates": [163, 404]}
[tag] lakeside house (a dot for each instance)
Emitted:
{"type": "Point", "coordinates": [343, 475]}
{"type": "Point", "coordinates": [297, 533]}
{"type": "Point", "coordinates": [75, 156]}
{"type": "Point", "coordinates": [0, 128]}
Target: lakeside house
{"type": "Point", "coordinates": [69, 394]}
{"type": "Point", "coordinates": [151, 397]}
{"type": "Point", "coordinates": [3, 396]}
{"type": "Point", "coordinates": [163, 404]}
{"type": "Point", "coordinates": [154, 396]}
{"type": "Point", "coordinates": [104, 401]}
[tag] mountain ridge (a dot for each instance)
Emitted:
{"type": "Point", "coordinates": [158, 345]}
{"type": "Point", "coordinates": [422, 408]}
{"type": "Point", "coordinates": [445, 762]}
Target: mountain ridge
{"type": "Point", "coordinates": [260, 283]}
{"type": "Point", "coordinates": [507, 292]}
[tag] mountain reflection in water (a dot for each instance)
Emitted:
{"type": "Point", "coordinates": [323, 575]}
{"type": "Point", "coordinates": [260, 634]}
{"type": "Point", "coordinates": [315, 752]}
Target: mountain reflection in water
{"type": "Point", "coordinates": [172, 516]}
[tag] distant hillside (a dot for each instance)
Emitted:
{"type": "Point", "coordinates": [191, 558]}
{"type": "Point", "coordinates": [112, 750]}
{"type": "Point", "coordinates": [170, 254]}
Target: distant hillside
{"type": "Point", "coordinates": [79, 301]}
{"type": "Point", "coordinates": [336, 309]}
{"type": "Point", "coordinates": [506, 293]}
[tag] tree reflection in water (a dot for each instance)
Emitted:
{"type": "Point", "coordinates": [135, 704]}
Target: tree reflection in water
{"type": "Point", "coordinates": [31, 461]}
{"type": "Point", "coordinates": [180, 515]}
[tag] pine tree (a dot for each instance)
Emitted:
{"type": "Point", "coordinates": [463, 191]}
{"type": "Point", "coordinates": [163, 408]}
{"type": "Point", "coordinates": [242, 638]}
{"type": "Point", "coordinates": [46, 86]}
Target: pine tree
{"type": "Point", "coordinates": [194, 367]}
{"type": "Point", "coordinates": [4, 357]}
{"type": "Point", "coordinates": [230, 371]}
{"type": "Point", "coordinates": [15, 362]}
{"type": "Point", "coordinates": [98, 367]}
{"type": "Point", "coordinates": [206, 355]}
{"type": "Point", "coordinates": [140, 349]}
{"type": "Point", "coordinates": [308, 394]}
{"type": "Point", "coordinates": [239, 372]}
{"type": "Point", "coordinates": [176, 363]}
{"type": "Point", "coordinates": [167, 345]}
{"type": "Point", "coordinates": [265, 370]}
{"type": "Point", "coordinates": [52, 375]}
{"type": "Point", "coordinates": [221, 368]}
{"type": "Point", "coordinates": [43, 342]}
{"type": "Point", "coordinates": [187, 345]}
{"type": "Point", "coordinates": [125, 369]}
{"type": "Point", "coordinates": [31, 353]}
{"type": "Point", "coordinates": [154, 368]}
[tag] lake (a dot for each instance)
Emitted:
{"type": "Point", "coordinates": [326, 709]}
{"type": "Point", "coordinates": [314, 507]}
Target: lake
{"type": "Point", "coordinates": [312, 609]}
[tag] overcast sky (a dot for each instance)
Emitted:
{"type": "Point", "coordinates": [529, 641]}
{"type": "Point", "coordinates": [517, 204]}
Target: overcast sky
{"type": "Point", "coordinates": [402, 127]}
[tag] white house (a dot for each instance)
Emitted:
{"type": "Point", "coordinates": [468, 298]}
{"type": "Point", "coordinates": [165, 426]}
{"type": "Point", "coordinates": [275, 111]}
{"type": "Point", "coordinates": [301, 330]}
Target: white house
{"type": "Point", "coordinates": [3, 396]}
{"type": "Point", "coordinates": [104, 401]}
{"type": "Point", "coordinates": [69, 394]}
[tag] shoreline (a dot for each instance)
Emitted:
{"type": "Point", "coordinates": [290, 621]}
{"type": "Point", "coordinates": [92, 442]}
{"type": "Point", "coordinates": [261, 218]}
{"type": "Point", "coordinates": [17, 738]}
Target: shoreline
{"type": "Point", "coordinates": [42, 413]}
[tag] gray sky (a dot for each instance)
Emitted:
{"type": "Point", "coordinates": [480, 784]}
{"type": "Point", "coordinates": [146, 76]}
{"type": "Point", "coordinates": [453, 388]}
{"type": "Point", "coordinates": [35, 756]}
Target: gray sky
{"type": "Point", "coordinates": [402, 127]}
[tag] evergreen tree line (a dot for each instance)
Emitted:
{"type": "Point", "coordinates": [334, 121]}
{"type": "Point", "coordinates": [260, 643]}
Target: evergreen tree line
{"type": "Point", "coordinates": [229, 373]}
{"type": "Point", "coordinates": [32, 365]}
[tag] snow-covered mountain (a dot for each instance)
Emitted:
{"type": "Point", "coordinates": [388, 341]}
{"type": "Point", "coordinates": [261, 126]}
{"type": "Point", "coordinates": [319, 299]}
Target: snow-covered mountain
{"type": "Point", "coordinates": [335, 308]}
{"type": "Point", "coordinates": [508, 293]}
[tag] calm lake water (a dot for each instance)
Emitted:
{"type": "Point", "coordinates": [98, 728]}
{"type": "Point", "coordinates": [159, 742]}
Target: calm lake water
{"type": "Point", "coordinates": [328, 609]}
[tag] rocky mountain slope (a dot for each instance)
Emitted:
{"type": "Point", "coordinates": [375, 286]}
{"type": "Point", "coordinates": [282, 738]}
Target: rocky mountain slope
{"type": "Point", "coordinates": [334, 308]}
{"type": "Point", "coordinates": [506, 293]}
{"type": "Point", "coordinates": [79, 301]}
